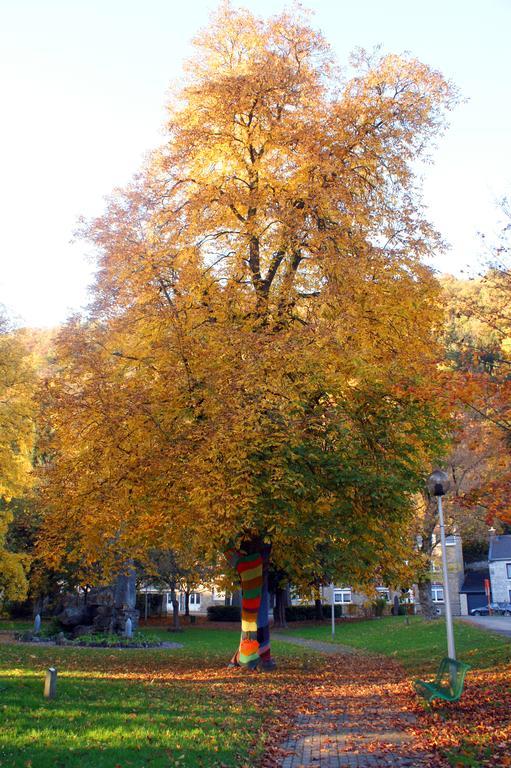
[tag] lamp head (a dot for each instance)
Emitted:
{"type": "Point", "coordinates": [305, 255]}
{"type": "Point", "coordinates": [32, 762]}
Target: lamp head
{"type": "Point", "coordinates": [438, 483]}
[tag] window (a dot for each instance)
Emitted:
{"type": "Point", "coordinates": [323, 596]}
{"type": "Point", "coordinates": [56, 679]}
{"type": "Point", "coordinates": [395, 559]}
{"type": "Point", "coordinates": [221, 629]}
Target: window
{"type": "Point", "coordinates": [450, 541]}
{"type": "Point", "coordinates": [437, 593]}
{"type": "Point", "coordinates": [194, 598]}
{"type": "Point", "coordinates": [342, 596]}
{"type": "Point", "coordinates": [508, 569]}
{"type": "Point", "coordinates": [383, 592]}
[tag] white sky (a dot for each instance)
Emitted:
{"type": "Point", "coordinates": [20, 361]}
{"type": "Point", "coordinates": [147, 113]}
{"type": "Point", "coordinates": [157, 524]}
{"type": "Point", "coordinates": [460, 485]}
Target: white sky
{"type": "Point", "coordinates": [82, 89]}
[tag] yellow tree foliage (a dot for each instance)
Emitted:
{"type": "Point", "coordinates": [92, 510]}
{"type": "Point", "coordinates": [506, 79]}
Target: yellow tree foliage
{"type": "Point", "coordinates": [13, 567]}
{"type": "Point", "coordinates": [16, 412]}
{"type": "Point", "coordinates": [16, 445]}
{"type": "Point", "coordinates": [259, 361]}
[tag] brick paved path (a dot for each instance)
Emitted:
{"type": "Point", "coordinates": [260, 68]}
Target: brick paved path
{"type": "Point", "coordinates": [362, 718]}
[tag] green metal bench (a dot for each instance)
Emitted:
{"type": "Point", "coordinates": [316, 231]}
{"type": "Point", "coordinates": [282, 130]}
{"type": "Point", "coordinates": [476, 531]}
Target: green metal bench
{"type": "Point", "coordinates": [448, 683]}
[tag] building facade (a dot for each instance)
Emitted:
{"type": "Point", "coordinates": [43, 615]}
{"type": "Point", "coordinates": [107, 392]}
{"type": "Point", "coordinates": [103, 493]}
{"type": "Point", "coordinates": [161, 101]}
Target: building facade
{"type": "Point", "coordinates": [455, 571]}
{"type": "Point", "coordinates": [499, 560]}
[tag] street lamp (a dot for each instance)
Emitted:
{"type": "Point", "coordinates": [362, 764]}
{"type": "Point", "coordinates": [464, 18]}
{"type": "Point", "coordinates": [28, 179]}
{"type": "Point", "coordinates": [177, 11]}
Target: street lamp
{"type": "Point", "coordinates": [438, 485]}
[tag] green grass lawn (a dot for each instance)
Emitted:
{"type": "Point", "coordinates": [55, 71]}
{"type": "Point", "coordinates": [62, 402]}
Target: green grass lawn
{"type": "Point", "coordinates": [154, 707]}
{"type": "Point", "coordinates": [418, 645]}
{"type": "Point", "coordinates": [15, 625]}
{"type": "Point", "coordinates": [143, 707]}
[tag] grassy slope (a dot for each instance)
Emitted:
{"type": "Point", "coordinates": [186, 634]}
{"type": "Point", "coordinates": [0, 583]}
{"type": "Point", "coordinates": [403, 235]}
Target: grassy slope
{"type": "Point", "coordinates": [418, 645]}
{"type": "Point", "coordinates": [128, 708]}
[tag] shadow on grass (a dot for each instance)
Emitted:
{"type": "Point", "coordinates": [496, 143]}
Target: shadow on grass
{"type": "Point", "coordinates": [105, 723]}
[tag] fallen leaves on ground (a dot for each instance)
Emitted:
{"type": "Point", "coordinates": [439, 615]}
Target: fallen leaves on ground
{"type": "Point", "coordinates": [476, 730]}
{"type": "Point", "coordinates": [367, 696]}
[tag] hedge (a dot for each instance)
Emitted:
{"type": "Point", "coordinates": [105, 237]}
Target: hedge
{"type": "Point", "coordinates": [308, 612]}
{"type": "Point", "coordinates": [293, 612]}
{"type": "Point", "coordinates": [224, 613]}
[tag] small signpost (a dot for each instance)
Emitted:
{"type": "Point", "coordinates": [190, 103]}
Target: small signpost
{"type": "Point", "coordinates": [50, 683]}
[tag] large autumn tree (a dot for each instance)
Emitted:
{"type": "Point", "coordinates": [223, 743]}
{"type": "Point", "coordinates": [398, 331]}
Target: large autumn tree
{"type": "Point", "coordinates": [257, 371]}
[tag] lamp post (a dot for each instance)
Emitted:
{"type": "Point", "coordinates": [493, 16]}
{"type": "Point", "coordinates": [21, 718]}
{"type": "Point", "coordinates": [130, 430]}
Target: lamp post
{"type": "Point", "coordinates": [332, 608]}
{"type": "Point", "coordinates": [438, 485]}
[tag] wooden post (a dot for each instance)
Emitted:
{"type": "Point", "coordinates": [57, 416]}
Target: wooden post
{"type": "Point", "coordinates": [50, 684]}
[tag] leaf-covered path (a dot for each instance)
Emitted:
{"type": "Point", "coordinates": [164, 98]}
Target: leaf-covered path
{"type": "Point", "coordinates": [317, 645]}
{"type": "Point", "coordinates": [358, 715]}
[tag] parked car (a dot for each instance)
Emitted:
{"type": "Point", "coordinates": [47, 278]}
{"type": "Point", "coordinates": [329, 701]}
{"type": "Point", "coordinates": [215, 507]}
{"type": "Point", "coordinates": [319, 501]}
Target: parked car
{"type": "Point", "coordinates": [504, 609]}
{"type": "Point", "coordinates": [483, 610]}
{"type": "Point", "coordinates": [500, 609]}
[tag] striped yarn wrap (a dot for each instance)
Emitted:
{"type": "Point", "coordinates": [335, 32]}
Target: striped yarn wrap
{"type": "Point", "coordinates": [255, 631]}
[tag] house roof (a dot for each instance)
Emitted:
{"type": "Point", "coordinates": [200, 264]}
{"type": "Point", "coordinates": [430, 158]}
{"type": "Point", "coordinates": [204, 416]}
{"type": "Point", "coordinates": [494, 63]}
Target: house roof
{"type": "Point", "coordinates": [500, 548]}
{"type": "Point", "coordinates": [474, 582]}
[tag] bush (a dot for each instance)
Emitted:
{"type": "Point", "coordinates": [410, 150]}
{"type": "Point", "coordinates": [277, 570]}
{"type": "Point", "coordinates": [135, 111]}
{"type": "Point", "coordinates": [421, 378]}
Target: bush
{"type": "Point", "coordinates": [50, 629]}
{"type": "Point", "coordinates": [293, 612]}
{"type": "Point", "coordinates": [300, 612]}
{"type": "Point", "coordinates": [224, 613]}
{"type": "Point", "coordinates": [379, 606]}
{"type": "Point", "coordinates": [20, 610]}
{"type": "Point", "coordinates": [308, 612]}
{"type": "Point", "coordinates": [104, 640]}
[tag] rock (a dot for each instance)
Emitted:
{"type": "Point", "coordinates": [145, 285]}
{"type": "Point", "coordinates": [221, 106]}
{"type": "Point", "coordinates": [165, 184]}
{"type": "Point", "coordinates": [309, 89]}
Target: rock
{"type": "Point", "coordinates": [72, 616]}
{"type": "Point", "coordinates": [60, 639]}
{"type": "Point", "coordinates": [102, 622]}
{"type": "Point", "coordinates": [125, 591]}
{"type": "Point", "coordinates": [100, 596]}
{"type": "Point", "coordinates": [84, 629]}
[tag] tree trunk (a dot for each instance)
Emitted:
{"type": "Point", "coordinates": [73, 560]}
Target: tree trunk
{"type": "Point", "coordinates": [251, 563]}
{"type": "Point", "coordinates": [175, 609]}
{"type": "Point", "coordinates": [427, 607]}
{"type": "Point", "coordinates": [187, 602]}
{"type": "Point", "coordinates": [318, 609]}
{"type": "Point", "coordinates": [279, 614]}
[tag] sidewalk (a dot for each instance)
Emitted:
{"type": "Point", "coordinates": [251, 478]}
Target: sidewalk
{"type": "Point", "coordinates": [361, 718]}
{"type": "Point", "coordinates": [499, 624]}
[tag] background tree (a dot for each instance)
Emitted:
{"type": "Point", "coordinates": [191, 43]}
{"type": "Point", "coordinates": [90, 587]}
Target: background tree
{"type": "Point", "coordinates": [13, 567]}
{"type": "Point", "coordinates": [256, 371]}
{"type": "Point", "coordinates": [479, 344]}
{"type": "Point", "coordinates": [16, 445]}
